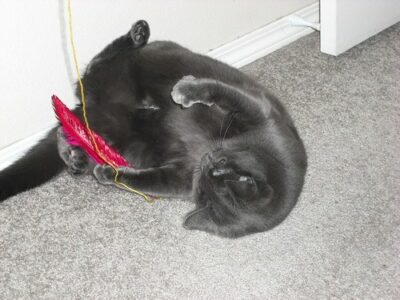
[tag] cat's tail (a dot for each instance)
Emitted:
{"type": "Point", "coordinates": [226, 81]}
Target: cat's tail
{"type": "Point", "coordinates": [37, 166]}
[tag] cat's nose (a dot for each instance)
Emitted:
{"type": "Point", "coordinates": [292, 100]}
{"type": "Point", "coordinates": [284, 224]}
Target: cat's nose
{"type": "Point", "coordinates": [211, 162]}
{"type": "Point", "coordinates": [206, 162]}
{"type": "Point", "coordinates": [216, 159]}
{"type": "Point", "coordinates": [208, 159]}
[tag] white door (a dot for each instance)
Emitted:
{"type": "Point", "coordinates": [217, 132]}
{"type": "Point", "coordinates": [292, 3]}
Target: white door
{"type": "Point", "coordinates": [346, 23]}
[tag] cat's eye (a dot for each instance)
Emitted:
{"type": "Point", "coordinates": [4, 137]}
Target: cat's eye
{"type": "Point", "coordinates": [222, 161]}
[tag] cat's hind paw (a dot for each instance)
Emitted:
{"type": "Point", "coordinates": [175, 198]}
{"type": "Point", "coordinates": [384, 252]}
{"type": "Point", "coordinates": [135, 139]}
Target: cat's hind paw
{"type": "Point", "coordinates": [104, 174]}
{"type": "Point", "coordinates": [140, 33]}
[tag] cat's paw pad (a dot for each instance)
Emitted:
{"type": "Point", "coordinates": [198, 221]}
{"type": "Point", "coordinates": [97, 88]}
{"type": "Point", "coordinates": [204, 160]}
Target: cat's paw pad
{"type": "Point", "coordinates": [180, 91]}
{"type": "Point", "coordinates": [75, 159]}
{"type": "Point", "coordinates": [187, 92]}
{"type": "Point", "coordinates": [140, 33]}
{"type": "Point", "coordinates": [78, 162]}
{"type": "Point", "coordinates": [104, 174]}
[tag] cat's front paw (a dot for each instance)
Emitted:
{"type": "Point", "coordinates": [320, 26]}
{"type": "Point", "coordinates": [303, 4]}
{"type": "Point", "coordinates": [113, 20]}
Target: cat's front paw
{"type": "Point", "coordinates": [104, 174]}
{"type": "Point", "coordinates": [189, 91]}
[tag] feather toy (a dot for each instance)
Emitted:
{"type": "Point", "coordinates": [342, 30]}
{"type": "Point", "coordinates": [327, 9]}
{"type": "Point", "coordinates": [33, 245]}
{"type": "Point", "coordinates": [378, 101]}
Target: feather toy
{"type": "Point", "coordinates": [79, 135]}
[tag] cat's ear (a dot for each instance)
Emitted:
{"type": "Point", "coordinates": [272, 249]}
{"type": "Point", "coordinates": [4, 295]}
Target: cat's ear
{"type": "Point", "coordinates": [199, 219]}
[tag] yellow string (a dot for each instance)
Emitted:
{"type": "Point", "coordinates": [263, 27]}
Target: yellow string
{"type": "Point", "coordinates": [121, 184]}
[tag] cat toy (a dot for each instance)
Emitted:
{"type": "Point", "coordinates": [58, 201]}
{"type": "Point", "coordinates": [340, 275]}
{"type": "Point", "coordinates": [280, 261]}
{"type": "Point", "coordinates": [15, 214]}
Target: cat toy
{"type": "Point", "coordinates": [77, 134]}
{"type": "Point", "coordinates": [80, 134]}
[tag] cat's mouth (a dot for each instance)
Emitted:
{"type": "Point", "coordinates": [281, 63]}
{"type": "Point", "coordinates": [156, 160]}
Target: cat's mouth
{"type": "Point", "coordinates": [221, 174]}
{"type": "Point", "coordinates": [214, 165]}
{"type": "Point", "coordinates": [217, 171]}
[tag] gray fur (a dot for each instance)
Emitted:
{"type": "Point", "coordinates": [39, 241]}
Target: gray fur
{"type": "Point", "coordinates": [192, 127]}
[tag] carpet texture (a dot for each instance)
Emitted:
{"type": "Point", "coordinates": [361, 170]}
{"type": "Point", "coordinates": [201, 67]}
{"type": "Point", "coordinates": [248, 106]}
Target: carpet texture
{"type": "Point", "coordinates": [75, 239]}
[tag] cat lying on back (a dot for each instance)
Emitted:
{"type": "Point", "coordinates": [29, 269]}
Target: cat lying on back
{"type": "Point", "coordinates": [191, 126]}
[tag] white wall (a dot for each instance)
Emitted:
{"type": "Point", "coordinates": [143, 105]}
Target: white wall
{"type": "Point", "coordinates": [33, 64]}
{"type": "Point", "coordinates": [346, 23]}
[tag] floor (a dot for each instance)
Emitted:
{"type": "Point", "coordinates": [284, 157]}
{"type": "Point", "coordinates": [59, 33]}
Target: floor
{"type": "Point", "coordinates": [75, 239]}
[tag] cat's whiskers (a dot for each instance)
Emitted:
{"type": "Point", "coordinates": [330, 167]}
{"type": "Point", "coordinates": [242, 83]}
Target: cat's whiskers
{"type": "Point", "coordinates": [222, 125]}
{"type": "Point", "coordinates": [214, 142]}
{"type": "Point", "coordinates": [229, 125]}
{"type": "Point", "coordinates": [217, 145]}
{"type": "Point", "coordinates": [197, 170]}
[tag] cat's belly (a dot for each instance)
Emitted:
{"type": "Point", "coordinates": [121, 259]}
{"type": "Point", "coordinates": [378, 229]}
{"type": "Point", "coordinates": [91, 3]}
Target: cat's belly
{"type": "Point", "coordinates": [173, 135]}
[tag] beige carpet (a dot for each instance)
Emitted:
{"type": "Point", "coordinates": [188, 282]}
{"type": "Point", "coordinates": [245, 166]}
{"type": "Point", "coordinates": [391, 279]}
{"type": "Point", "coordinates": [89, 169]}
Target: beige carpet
{"type": "Point", "coordinates": [74, 239]}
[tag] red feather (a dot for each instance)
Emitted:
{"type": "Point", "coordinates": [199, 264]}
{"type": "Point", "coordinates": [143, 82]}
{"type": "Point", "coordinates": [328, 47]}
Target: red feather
{"type": "Point", "coordinates": [78, 135]}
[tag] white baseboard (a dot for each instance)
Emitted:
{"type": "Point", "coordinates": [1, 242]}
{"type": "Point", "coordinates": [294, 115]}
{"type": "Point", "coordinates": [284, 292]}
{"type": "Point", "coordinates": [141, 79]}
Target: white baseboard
{"type": "Point", "coordinates": [237, 53]}
{"type": "Point", "coordinates": [13, 152]}
{"type": "Point", "coordinates": [265, 40]}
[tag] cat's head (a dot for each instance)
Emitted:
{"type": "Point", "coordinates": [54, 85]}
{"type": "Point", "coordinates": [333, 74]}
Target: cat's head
{"type": "Point", "coordinates": [233, 193]}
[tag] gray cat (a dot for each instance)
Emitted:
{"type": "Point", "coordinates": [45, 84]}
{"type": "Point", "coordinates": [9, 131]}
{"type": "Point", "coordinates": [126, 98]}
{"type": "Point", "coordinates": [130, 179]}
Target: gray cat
{"type": "Point", "coordinates": [192, 127]}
